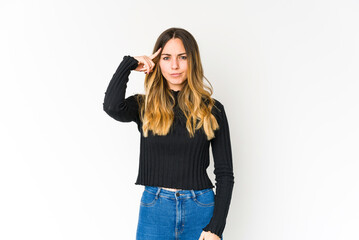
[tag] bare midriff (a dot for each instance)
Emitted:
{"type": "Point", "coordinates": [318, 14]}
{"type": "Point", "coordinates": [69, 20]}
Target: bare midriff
{"type": "Point", "coordinates": [172, 189]}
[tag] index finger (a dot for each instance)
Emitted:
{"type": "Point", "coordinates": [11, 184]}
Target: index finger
{"type": "Point", "coordinates": [155, 54]}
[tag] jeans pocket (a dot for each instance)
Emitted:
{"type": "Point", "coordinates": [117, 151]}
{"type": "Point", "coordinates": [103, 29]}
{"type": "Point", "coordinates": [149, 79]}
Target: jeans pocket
{"type": "Point", "coordinates": [205, 199]}
{"type": "Point", "coordinates": [148, 199]}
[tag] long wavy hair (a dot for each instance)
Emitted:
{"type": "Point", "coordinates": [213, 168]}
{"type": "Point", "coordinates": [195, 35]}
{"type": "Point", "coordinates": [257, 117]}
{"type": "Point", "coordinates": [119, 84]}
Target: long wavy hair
{"type": "Point", "coordinates": [156, 105]}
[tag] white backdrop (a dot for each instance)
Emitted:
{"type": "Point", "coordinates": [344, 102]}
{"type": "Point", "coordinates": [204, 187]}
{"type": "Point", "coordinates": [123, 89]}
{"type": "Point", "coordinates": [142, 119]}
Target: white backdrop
{"type": "Point", "coordinates": [286, 71]}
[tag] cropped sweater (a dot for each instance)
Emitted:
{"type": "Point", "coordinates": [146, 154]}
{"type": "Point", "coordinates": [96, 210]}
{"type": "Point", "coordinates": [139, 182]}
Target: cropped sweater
{"type": "Point", "coordinates": [176, 160]}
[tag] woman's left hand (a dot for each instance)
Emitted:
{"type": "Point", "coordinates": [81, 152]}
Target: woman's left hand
{"type": "Point", "coordinates": [208, 236]}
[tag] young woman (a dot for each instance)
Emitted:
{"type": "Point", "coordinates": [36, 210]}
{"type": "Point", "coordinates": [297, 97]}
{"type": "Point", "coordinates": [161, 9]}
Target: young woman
{"type": "Point", "coordinates": [177, 120]}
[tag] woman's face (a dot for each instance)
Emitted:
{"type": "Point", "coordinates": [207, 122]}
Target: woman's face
{"type": "Point", "coordinates": [173, 63]}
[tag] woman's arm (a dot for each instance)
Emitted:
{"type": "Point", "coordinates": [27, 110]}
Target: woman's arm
{"type": "Point", "coordinates": [223, 170]}
{"type": "Point", "coordinates": [115, 104]}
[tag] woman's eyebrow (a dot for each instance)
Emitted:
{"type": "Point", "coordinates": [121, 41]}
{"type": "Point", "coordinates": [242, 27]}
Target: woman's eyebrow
{"type": "Point", "coordinates": [170, 54]}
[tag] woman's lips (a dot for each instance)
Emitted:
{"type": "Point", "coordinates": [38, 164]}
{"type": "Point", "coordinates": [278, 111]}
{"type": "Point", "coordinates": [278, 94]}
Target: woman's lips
{"type": "Point", "coordinates": [175, 75]}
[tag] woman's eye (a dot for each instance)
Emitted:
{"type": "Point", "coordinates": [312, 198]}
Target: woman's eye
{"type": "Point", "coordinates": [183, 57]}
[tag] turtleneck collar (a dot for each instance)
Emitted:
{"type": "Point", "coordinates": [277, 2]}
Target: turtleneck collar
{"type": "Point", "coordinates": [175, 92]}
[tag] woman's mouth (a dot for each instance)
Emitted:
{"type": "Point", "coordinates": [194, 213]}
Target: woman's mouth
{"type": "Point", "coordinates": [176, 74]}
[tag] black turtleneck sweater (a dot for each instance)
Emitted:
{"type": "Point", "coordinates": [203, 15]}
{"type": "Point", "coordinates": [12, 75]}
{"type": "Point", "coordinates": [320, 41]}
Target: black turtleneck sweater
{"type": "Point", "coordinates": [176, 160]}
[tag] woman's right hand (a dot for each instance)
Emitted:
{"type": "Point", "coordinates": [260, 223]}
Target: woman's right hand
{"type": "Point", "coordinates": [145, 63]}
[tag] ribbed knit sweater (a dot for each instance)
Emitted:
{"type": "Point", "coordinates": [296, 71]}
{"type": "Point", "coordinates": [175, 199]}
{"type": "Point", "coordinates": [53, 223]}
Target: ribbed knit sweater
{"type": "Point", "coordinates": [176, 160]}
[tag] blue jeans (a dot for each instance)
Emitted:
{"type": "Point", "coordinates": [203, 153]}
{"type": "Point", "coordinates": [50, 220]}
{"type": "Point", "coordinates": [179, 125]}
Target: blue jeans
{"type": "Point", "coordinates": [174, 215]}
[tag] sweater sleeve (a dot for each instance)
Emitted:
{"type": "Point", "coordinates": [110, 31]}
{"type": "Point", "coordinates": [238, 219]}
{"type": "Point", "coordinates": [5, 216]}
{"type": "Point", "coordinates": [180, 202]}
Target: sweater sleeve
{"type": "Point", "coordinates": [223, 170]}
{"type": "Point", "coordinates": [115, 104]}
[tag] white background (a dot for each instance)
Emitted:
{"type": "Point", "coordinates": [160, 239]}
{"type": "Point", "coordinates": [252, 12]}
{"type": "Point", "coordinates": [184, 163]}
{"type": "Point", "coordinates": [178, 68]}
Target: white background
{"type": "Point", "coordinates": [286, 72]}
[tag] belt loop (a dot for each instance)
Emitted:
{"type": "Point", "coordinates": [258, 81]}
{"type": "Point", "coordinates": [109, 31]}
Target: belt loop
{"type": "Point", "coordinates": [193, 193]}
{"type": "Point", "coordinates": [158, 191]}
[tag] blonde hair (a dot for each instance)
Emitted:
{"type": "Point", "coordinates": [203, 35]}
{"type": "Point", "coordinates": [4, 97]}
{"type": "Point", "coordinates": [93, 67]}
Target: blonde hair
{"type": "Point", "coordinates": [156, 105]}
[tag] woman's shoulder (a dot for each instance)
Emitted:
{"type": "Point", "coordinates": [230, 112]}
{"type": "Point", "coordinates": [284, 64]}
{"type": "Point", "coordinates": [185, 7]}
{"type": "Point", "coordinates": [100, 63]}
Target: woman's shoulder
{"type": "Point", "coordinates": [217, 108]}
{"type": "Point", "coordinates": [136, 98]}
{"type": "Point", "coordinates": [217, 102]}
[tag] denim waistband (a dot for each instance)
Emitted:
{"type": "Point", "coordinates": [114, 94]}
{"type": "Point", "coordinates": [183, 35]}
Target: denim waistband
{"type": "Point", "coordinates": [159, 191]}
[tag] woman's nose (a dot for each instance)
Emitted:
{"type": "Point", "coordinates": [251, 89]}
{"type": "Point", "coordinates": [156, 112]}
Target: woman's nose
{"type": "Point", "coordinates": [174, 64]}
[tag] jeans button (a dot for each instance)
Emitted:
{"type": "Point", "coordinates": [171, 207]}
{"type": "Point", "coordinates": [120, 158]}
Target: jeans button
{"type": "Point", "coordinates": [177, 194]}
